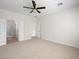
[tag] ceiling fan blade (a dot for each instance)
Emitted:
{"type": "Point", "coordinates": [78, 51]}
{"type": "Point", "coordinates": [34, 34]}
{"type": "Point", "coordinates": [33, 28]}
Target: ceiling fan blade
{"type": "Point", "coordinates": [34, 4]}
{"type": "Point", "coordinates": [38, 11]}
{"type": "Point", "coordinates": [31, 11]}
{"type": "Point", "coordinates": [41, 8]}
{"type": "Point", "coordinates": [27, 7]}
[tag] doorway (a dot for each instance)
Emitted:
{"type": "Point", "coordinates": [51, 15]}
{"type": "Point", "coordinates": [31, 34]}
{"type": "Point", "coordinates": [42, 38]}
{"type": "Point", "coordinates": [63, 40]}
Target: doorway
{"type": "Point", "coordinates": [11, 32]}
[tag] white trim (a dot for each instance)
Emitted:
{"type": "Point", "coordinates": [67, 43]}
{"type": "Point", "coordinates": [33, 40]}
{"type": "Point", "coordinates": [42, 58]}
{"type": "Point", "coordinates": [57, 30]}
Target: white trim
{"type": "Point", "coordinates": [25, 39]}
{"type": "Point", "coordinates": [1, 44]}
{"type": "Point", "coordinates": [10, 36]}
{"type": "Point", "coordinates": [60, 42]}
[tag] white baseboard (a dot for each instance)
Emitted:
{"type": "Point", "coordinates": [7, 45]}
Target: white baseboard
{"type": "Point", "coordinates": [2, 44]}
{"type": "Point", "coordinates": [10, 36]}
{"type": "Point", "coordinates": [60, 42]}
{"type": "Point", "coordinates": [25, 39]}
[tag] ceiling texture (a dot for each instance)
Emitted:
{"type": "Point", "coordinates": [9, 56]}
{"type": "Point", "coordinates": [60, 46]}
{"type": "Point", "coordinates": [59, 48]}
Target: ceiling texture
{"type": "Point", "coordinates": [52, 6]}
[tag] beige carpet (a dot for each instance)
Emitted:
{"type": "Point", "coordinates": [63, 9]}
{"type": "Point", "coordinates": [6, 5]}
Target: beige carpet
{"type": "Point", "coordinates": [38, 49]}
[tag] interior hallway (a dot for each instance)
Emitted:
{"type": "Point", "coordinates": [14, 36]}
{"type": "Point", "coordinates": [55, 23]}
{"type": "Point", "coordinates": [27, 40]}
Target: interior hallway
{"type": "Point", "coordinates": [38, 49]}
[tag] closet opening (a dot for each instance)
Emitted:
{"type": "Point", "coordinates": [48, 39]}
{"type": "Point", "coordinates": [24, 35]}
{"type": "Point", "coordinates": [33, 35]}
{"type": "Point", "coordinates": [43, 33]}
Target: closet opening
{"type": "Point", "coordinates": [12, 33]}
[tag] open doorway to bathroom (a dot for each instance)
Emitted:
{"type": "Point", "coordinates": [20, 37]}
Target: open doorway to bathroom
{"type": "Point", "coordinates": [11, 32]}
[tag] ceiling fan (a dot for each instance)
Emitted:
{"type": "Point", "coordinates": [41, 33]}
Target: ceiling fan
{"type": "Point", "coordinates": [34, 7]}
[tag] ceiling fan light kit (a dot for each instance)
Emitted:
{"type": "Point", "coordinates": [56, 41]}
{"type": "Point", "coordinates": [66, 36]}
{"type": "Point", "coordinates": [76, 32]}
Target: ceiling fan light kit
{"type": "Point", "coordinates": [34, 7]}
{"type": "Point", "coordinates": [59, 4]}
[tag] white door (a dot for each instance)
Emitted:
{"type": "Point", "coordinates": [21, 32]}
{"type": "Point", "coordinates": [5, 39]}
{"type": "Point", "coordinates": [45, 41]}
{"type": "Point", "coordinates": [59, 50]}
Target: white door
{"type": "Point", "coordinates": [38, 30]}
{"type": "Point", "coordinates": [2, 32]}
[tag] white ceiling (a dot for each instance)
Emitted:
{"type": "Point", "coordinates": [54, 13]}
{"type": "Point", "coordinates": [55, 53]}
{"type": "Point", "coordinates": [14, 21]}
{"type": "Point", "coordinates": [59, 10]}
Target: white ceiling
{"type": "Point", "coordinates": [51, 6]}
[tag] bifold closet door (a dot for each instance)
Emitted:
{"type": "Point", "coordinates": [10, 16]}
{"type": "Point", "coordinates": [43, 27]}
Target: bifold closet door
{"type": "Point", "coordinates": [2, 32]}
{"type": "Point", "coordinates": [38, 29]}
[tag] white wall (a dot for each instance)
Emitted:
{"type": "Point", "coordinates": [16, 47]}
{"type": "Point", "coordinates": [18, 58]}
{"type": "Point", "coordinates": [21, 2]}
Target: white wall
{"type": "Point", "coordinates": [62, 27]}
{"type": "Point", "coordinates": [20, 20]}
